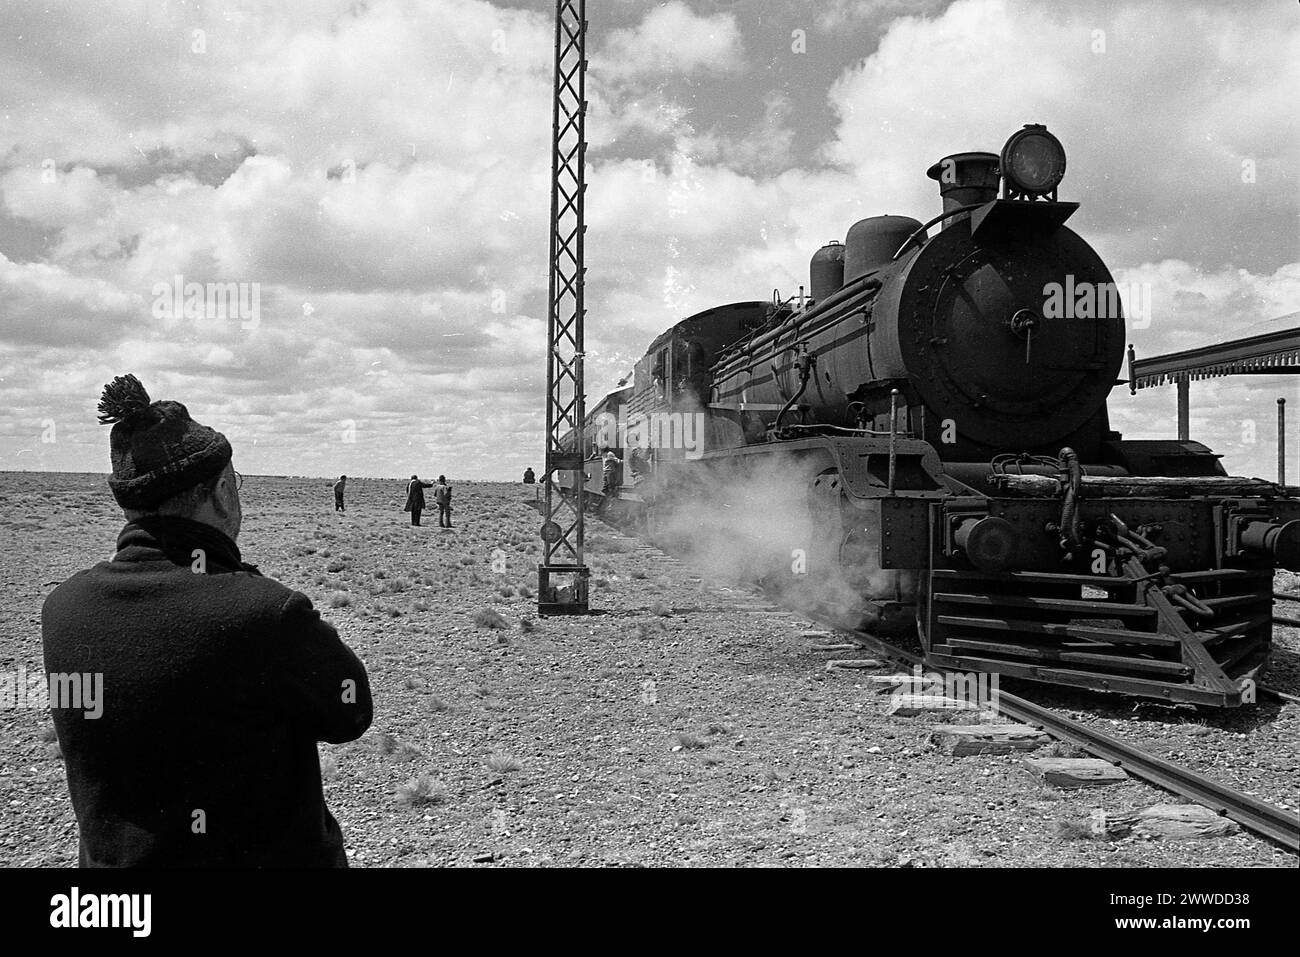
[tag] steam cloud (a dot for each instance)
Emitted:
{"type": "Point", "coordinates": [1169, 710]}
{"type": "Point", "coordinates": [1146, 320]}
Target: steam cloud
{"type": "Point", "coordinates": [754, 521]}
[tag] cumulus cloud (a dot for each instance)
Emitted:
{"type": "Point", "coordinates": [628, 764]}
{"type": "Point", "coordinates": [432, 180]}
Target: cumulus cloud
{"type": "Point", "coordinates": [673, 39]}
{"type": "Point", "coordinates": [380, 171]}
{"type": "Point", "coordinates": [1218, 149]}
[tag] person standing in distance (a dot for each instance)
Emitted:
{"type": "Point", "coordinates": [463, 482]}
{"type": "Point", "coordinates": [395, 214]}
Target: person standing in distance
{"type": "Point", "coordinates": [415, 498]}
{"type": "Point", "coordinates": [442, 498]}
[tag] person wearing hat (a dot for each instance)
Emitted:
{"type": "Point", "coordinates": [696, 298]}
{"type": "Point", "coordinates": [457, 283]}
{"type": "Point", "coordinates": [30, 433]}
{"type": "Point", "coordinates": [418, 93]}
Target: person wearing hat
{"type": "Point", "coordinates": [442, 498]}
{"type": "Point", "coordinates": [415, 497]}
{"type": "Point", "coordinates": [217, 683]}
{"type": "Point", "coordinates": [610, 467]}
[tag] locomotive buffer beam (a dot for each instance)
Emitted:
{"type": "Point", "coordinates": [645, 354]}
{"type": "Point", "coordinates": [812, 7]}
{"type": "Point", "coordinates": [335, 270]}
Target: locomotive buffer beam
{"type": "Point", "coordinates": [1109, 486]}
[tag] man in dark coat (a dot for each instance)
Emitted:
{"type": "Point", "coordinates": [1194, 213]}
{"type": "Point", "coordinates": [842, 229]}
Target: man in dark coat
{"type": "Point", "coordinates": [339, 487]}
{"type": "Point", "coordinates": [529, 476]}
{"type": "Point", "coordinates": [217, 682]}
{"type": "Point", "coordinates": [415, 498]}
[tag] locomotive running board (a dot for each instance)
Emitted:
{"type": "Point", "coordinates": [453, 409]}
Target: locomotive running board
{"type": "Point", "coordinates": [1058, 628]}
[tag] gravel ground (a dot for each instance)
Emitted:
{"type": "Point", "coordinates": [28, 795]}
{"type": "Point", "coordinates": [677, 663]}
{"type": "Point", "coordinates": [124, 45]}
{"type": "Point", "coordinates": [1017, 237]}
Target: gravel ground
{"type": "Point", "coordinates": [689, 723]}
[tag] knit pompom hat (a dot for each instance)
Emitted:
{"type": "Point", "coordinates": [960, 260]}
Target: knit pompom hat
{"type": "Point", "coordinates": [156, 448]}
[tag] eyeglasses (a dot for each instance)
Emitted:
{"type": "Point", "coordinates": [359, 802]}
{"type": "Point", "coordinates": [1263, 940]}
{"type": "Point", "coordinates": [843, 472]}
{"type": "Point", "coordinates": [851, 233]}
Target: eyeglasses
{"type": "Point", "coordinates": [239, 481]}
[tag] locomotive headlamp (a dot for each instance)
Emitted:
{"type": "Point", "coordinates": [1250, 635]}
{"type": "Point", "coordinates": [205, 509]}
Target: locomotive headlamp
{"type": "Point", "coordinates": [1033, 162]}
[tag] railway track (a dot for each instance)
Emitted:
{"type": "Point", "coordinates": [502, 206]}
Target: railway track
{"type": "Point", "coordinates": [1254, 815]}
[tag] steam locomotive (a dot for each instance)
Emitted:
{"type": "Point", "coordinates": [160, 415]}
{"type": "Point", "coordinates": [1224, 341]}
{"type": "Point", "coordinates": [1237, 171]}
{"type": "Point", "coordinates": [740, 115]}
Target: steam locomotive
{"type": "Point", "coordinates": [935, 410]}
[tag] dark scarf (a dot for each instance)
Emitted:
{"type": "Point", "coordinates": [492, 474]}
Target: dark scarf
{"type": "Point", "coordinates": [177, 538]}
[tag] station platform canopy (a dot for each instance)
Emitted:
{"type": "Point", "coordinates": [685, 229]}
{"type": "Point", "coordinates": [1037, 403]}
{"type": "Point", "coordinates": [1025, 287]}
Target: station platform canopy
{"type": "Point", "coordinates": [1273, 352]}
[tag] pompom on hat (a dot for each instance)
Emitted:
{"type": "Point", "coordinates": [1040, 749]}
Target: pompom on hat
{"type": "Point", "coordinates": [156, 448]}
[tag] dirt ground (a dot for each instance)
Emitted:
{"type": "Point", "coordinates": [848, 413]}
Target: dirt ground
{"type": "Point", "coordinates": [690, 723]}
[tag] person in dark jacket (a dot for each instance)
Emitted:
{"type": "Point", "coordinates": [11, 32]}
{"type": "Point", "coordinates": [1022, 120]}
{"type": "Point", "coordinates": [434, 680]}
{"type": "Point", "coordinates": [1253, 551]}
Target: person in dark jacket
{"type": "Point", "coordinates": [338, 493]}
{"type": "Point", "coordinates": [217, 682]}
{"type": "Point", "coordinates": [415, 498]}
{"type": "Point", "coordinates": [442, 498]}
{"type": "Point", "coordinates": [529, 476]}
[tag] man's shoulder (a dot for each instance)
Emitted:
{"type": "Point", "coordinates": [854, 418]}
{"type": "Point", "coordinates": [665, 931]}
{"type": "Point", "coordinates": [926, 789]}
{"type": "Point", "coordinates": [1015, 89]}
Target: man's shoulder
{"type": "Point", "coordinates": [75, 583]}
{"type": "Point", "coordinates": [248, 586]}
{"type": "Point", "coordinates": [258, 584]}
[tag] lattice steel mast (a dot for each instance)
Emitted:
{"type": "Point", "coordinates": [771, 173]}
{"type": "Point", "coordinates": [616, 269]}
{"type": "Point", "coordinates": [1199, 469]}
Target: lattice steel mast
{"type": "Point", "coordinates": [562, 528]}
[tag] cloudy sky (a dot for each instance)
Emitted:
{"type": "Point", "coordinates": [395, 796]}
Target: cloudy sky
{"type": "Point", "coordinates": [378, 173]}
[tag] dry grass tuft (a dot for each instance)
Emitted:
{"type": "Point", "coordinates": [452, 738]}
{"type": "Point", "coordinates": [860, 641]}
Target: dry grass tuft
{"type": "Point", "coordinates": [503, 763]}
{"type": "Point", "coordinates": [689, 742]}
{"type": "Point", "coordinates": [1064, 749]}
{"type": "Point", "coordinates": [1074, 831]}
{"type": "Point", "coordinates": [407, 752]}
{"type": "Point", "coordinates": [340, 599]}
{"type": "Point", "coordinates": [646, 629]}
{"type": "Point", "coordinates": [661, 609]}
{"type": "Point", "coordinates": [489, 618]}
{"type": "Point", "coordinates": [421, 791]}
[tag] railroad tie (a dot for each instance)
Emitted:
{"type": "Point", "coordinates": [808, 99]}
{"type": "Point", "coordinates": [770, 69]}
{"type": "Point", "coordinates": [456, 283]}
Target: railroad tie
{"type": "Point", "coordinates": [1074, 772]}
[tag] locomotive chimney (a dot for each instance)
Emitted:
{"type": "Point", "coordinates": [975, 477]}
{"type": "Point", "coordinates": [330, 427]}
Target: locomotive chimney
{"type": "Point", "coordinates": [964, 179]}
